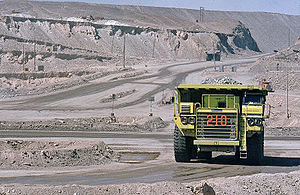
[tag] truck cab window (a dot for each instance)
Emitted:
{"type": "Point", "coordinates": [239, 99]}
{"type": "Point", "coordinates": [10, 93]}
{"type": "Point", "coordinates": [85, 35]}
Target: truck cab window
{"type": "Point", "coordinates": [252, 99]}
{"type": "Point", "coordinates": [221, 104]}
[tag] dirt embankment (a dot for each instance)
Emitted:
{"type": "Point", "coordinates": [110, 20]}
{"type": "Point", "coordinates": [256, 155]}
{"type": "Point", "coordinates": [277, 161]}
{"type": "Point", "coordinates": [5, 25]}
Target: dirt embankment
{"type": "Point", "coordinates": [16, 154]}
{"type": "Point", "coordinates": [274, 68]}
{"type": "Point", "coordinates": [127, 124]}
{"type": "Point", "coordinates": [279, 183]}
{"type": "Point", "coordinates": [138, 188]}
{"type": "Point", "coordinates": [282, 131]}
{"type": "Point", "coordinates": [283, 71]}
{"type": "Point", "coordinates": [22, 84]}
{"type": "Point", "coordinates": [60, 45]}
{"type": "Point", "coordinates": [265, 27]}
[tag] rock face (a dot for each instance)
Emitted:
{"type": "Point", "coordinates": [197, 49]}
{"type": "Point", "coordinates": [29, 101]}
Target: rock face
{"type": "Point", "coordinates": [241, 38]}
{"type": "Point", "coordinates": [265, 27]}
{"type": "Point", "coordinates": [70, 43]}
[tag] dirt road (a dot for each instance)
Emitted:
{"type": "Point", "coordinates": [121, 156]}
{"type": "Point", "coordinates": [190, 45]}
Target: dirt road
{"type": "Point", "coordinates": [149, 158]}
{"type": "Point", "coordinates": [145, 157]}
{"type": "Point", "coordinates": [83, 101]}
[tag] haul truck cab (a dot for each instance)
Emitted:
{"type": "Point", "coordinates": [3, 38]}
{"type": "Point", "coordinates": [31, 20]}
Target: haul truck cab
{"type": "Point", "coordinates": [226, 118]}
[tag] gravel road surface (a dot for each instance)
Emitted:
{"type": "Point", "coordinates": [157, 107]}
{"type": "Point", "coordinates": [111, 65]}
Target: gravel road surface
{"type": "Point", "coordinates": [148, 157]}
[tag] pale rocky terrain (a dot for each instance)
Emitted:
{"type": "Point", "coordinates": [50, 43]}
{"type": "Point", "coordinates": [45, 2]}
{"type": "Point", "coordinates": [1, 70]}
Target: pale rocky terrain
{"type": "Point", "coordinates": [273, 68]}
{"type": "Point", "coordinates": [270, 30]}
{"type": "Point", "coordinates": [77, 53]}
{"type": "Point", "coordinates": [64, 45]}
{"type": "Point", "coordinates": [19, 154]}
{"type": "Point", "coordinates": [104, 124]}
{"type": "Point", "coordinates": [55, 36]}
{"type": "Point", "coordinates": [279, 183]}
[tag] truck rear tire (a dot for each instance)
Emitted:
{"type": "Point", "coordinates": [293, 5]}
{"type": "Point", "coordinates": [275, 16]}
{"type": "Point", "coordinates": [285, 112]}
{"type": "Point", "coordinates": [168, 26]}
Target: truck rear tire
{"type": "Point", "coordinates": [255, 149]}
{"type": "Point", "coordinates": [184, 150]}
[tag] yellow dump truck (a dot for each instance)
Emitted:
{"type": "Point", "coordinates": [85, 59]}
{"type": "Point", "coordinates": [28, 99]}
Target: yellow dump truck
{"type": "Point", "coordinates": [226, 118]}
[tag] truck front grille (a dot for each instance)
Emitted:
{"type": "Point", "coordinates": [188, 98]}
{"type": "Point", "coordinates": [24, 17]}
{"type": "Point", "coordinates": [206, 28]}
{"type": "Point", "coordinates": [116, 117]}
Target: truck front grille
{"type": "Point", "coordinates": [214, 126]}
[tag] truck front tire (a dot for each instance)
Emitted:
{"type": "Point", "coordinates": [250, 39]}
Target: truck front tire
{"type": "Point", "coordinates": [255, 149]}
{"type": "Point", "coordinates": [184, 150]}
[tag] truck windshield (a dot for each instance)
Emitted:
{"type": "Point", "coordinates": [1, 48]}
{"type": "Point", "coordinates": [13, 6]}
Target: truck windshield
{"type": "Point", "coordinates": [252, 99]}
{"type": "Point", "coordinates": [190, 96]}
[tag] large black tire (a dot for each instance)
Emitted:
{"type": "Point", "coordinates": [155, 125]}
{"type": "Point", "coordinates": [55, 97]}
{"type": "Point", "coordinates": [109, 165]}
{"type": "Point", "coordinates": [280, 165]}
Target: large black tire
{"type": "Point", "coordinates": [255, 149]}
{"type": "Point", "coordinates": [184, 150]}
{"type": "Point", "coordinates": [205, 155]}
{"type": "Point", "coordinates": [237, 154]}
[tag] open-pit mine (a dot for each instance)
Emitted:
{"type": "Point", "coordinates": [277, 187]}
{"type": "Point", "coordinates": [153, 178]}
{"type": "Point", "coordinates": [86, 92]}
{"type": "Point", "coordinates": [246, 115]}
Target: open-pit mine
{"type": "Point", "coordinates": [87, 97]}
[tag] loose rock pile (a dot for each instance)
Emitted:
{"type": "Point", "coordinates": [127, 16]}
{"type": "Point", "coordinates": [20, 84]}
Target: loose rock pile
{"type": "Point", "coordinates": [26, 154]}
{"type": "Point", "coordinates": [282, 131]}
{"type": "Point", "coordinates": [155, 123]}
{"type": "Point", "coordinates": [118, 95]}
{"type": "Point", "coordinates": [91, 124]}
{"type": "Point", "coordinates": [134, 188]}
{"type": "Point", "coordinates": [279, 183]}
{"type": "Point", "coordinates": [221, 81]}
{"type": "Point", "coordinates": [7, 92]}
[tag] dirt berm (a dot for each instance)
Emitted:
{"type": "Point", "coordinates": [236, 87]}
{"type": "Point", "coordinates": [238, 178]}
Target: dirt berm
{"type": "Point", "coordinates": [16, 154]}
{"type": "Point", "coordinates": [279, 183]}
{"type": "Point", "coordinates": [127, 124]}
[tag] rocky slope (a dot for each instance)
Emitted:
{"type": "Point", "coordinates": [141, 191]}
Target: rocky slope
{"type": "Point", "coordinates": [273, 68]}
{"type": "Point", "coordinates": [270, 30]}
{"type": "Point", "coordinates": [67, 44]}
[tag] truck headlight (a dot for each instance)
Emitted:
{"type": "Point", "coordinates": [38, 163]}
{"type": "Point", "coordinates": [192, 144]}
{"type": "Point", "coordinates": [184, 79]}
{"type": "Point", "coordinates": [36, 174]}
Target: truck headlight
{"type": "Point", "coordinates": [191, 120]}
{"type": "Point", "coordinates": [251, 122]}
{"type": "Point", "coordinates": [184, 120]}
{"type": "Point", "coordinates": [258, 122]}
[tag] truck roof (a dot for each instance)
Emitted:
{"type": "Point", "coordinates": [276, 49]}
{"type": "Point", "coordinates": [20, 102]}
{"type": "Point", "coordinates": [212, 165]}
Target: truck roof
{"type": "Point", "coordinates": [221, 87]}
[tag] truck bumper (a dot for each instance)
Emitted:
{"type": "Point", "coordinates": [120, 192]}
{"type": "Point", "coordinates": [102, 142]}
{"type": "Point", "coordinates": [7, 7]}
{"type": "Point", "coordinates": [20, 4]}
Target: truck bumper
{"type": "Point", "coordinates": [216, 143]}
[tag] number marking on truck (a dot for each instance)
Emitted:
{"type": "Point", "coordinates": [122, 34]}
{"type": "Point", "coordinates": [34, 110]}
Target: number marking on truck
{"type": "Point", "coordinates": [209, 120]}
{"type": "Point", "coordinates": [223, 120]}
